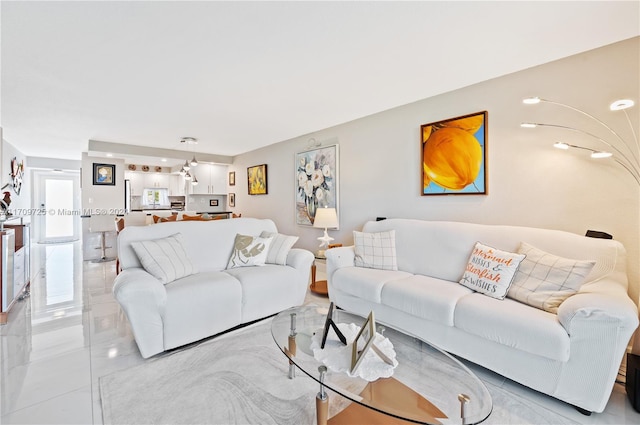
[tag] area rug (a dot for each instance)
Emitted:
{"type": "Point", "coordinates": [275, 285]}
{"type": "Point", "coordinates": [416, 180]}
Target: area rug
{"type": "Point", "coordinates": [241, 378]}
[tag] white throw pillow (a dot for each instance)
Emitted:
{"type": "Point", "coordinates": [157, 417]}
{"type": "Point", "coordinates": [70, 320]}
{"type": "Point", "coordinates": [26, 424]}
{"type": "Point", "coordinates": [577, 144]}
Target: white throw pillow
{"type": "Point", "coordinates": [375, 250]}
{"type": "Point", "coordinates": [279, 248]}
{"type": "Point", "coordinates": [164, 258]}
{"type": "Point", "coordinates": [545, 280]}
{"type": "Point", "coordinates": [490, 271]}
{"type": "Point", "coordinates": [249, 251]}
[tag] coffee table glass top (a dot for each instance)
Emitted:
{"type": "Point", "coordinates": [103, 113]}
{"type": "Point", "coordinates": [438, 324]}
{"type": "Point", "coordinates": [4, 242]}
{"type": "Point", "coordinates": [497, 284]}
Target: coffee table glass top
{"type": "Point", "coordinates": [441, 382]}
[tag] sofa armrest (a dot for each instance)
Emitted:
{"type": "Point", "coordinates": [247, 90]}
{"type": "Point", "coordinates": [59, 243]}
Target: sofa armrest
{"type": "Point", "coordinates": [337, 258]}
{"type": "Point", "coordinates": [603, 307]}
{"type": "Point", "coordinates": [300, 259]}
{"type": "Point", "coordinates": [143, 299]}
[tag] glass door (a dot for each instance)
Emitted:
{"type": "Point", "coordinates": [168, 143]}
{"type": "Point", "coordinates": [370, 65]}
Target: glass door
{"type": "Point", "coordinates": [58, 207]}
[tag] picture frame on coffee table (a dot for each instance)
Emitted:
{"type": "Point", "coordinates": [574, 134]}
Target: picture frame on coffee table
{"type": "Point", "coordinates": [363, 341]}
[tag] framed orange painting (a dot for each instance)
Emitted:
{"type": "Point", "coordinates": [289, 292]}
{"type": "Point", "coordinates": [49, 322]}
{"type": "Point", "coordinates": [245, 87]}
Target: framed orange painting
{"type": "Point", "coordinates": [454, 156]}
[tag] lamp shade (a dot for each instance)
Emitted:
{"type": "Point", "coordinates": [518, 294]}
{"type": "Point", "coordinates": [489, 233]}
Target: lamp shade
{"type": "Point", "coordinates": [326, 218]}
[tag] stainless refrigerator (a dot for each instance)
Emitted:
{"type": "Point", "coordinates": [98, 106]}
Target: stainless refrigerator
{"type": "Point", "coordinates": [127, 196]}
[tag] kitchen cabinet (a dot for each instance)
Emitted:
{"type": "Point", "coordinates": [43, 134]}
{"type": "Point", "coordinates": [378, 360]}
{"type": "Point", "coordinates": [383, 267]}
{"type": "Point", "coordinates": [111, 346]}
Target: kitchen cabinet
{"type": "Point", "coordinates": [156, 180]}
{"type": "Point", "coordinates": [15, 253]}
{"type": "Point", "coordinates": [176, 185]}
{"type": "Point", "coordinates": [137, 182]}
{"type": "Point", "coordinates": [150, 180]}
{"type": "Point", "coordinates": [212, 179]}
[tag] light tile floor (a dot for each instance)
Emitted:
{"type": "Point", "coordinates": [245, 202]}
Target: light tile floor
{"type": "Point", "coordinates": [59, 341]}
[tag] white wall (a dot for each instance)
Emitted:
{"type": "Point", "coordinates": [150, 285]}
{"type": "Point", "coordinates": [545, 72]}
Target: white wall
{"type": "Point", "coordinates": [22, 202]}
{"type": "Point", "coordinates": [530, 183]}
{"type": "Point", "coordinates": [100, 200]}
{"type": "Point", "coordinates": [101, 197]}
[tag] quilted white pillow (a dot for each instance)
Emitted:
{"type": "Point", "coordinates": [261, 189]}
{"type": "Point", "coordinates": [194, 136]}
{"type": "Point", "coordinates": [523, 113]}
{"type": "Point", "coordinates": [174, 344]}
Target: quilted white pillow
{"type": "Point", "coordinates": [545, 280]}
{"type": "Point", "coordinates": [164, 258]}
{"type": "Point", "coordinates": [249, 251]}
{"type": "Point", "coordinates": [375, 250]}
{"type": "Point", "coordinates": [490, 271]}
{"type": "Point", "coordinates": [279, 248]}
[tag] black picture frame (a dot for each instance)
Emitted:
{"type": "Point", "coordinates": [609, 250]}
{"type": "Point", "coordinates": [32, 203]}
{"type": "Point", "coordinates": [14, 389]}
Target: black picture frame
{"type": "Point", "coordinates": [330, 324]}
{"type": "Point", "coordinates": [104, 174]}
{"type": "Point", "coordinates": [213, 202]}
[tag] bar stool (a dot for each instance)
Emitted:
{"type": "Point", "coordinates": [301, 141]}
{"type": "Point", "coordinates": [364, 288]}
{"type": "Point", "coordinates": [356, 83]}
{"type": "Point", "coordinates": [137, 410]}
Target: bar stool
{"type": "Point", "coordinates": [102, 224]}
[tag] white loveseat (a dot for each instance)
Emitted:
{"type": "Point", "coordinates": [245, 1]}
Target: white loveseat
{"type": "Point", "coordinates": [573, 355]}
{"type": "Point", "coordinates": [165, 316]}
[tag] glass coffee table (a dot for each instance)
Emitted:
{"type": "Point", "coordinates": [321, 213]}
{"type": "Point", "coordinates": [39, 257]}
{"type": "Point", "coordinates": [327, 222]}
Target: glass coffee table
{"type": "Point", "coordinates": [428, 386]}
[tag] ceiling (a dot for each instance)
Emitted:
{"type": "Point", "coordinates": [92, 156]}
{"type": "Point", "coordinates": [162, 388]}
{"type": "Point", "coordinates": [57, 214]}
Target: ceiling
{"type": "Point", "coordinates": [242, 75]}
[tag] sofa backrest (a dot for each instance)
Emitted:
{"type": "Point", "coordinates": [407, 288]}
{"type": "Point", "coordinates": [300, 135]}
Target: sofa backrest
{"type": "Point", "coordinates": [208, 243]}
{"type": "Point", "coordinates": [441, 248]}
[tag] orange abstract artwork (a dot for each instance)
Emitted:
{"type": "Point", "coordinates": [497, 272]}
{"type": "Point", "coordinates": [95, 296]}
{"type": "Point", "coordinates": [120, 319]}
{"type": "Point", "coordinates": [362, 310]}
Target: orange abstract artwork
{"type": "Point", "coordinates": [454, 156]}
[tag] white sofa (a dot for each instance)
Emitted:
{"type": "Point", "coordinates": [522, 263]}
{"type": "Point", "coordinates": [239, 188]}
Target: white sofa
{"type": "Point", "coordinates": [212, 300]}
{"type": "Point", "coordinates": [573, 355]}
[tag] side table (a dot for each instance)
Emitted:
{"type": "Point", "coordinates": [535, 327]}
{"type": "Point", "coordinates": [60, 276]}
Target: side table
{"type": "Point", "coordinates": [318, 287]}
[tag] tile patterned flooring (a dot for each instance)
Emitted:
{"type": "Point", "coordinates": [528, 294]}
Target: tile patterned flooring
{"type": "Point", "coordinates": [70, 331]}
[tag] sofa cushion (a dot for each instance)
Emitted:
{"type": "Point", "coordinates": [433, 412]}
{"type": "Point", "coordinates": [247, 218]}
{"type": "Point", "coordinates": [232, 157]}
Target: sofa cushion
{"type": "Point", "coordinates": [545, 280]}
{"type": "Point", "coordinates": [513, 324]}
{"type": "Point", "coordinates": [365, 283]}
{"type": "Point", "coordinates": [165, 258]}
{"type": "Point", "coordinates": [375, 250]}
{"type": "Point", "coordinates": [200, 305]}
{"type": "Point", "coordinates": [249, 251]}
{"type": "Point", "coordinates": [424, 297]}
{"type": "Point", "coordinates": [490, 271]}
{"type": "Point", "coordinates": [279, 248]}
{"type": "Point", "coordinates": [268, 289]}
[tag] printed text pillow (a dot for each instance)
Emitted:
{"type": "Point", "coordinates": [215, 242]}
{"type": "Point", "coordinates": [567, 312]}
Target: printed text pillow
{"type": "Point", "coordinates": [490, 270]}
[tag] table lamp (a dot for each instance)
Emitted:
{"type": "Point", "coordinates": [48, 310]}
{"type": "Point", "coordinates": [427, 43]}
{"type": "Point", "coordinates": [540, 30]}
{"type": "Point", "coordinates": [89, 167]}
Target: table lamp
{"type": "Point", "coordinates": [325, 218]}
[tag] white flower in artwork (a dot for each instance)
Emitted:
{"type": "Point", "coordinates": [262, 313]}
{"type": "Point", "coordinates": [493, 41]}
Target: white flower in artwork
{"type": "Point", "coordinates": [302, 179]}
{"type": "Point", "coordinates": [319, 194]}
{"type": "Point", "coordinates": [317, 178]}
{"type": "Point", "coordinates": [326, 170]}
{"type": "Point", "coordinates": [308, 188]}
{"type": "Point", "coordinates": [309, 168]}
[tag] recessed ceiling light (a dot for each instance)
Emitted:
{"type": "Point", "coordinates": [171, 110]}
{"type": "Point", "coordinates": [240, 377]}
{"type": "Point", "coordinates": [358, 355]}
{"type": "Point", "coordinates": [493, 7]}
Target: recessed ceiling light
{"type": "Point", "coordinates": [531, 100]}
{"type": "Point", "coordinates": [621, 104]}
{"type": "Point", "coordinates": [164, 160]}
{"type": "Point", "coordinates": [109, 155]}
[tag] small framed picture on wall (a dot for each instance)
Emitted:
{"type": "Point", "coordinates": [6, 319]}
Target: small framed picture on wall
{"type": "Point", "coordinates": [232, 178]}
{"type": "Point", "coordinates": [232, 199]}
{"type": "Point", "coordinates": [104, 174]}
{"type": "Point", "coordinates": [213, 202]}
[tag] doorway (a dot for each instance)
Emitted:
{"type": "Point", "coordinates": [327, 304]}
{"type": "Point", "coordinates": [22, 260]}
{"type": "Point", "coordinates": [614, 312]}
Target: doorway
{"type": "Point", "coordinates": [58, 206]}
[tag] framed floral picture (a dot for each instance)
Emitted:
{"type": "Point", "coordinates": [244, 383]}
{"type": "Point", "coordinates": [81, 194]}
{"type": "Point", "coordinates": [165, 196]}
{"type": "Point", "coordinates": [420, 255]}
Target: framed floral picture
{"type": "Point", "coordinates": [316, 182]}
{"type": "Point", "coordinates": [454, 156]}
{"type": "Point", "coordinates": [104, 174]}
{"type": "Point", "coordinates": [257, 179]}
